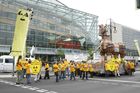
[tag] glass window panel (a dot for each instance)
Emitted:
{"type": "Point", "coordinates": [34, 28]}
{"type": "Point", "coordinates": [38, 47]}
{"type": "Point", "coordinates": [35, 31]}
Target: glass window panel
{"type": "Point", "coordinates": [2, 41]}
{"type": "Point", "coordinates": [4, 14]}
{"type": "Point", "coordinates": [1, 60]}
{"type": "Point", "coordinates": [9, 60]}
{"type": "Point", "coordinates": [8, 35]}
{"type": "Point", "coordinates": [51, 26]}
{"type": "Point", "coordinates": [11, 15]}
{"type": "Point", "coordinates": [9, 27]}
{"type": "Point", "coordinates": [32, 31]}
{"type": "Point", "coordinates": [9, 42]}
{"type": "Point", "coordinates": [3, 26]}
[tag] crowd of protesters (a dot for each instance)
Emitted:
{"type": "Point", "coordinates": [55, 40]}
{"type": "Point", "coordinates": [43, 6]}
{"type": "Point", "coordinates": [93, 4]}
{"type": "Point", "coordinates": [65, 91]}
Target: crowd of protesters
{"type": "Point", "coordinates": [62, 70]}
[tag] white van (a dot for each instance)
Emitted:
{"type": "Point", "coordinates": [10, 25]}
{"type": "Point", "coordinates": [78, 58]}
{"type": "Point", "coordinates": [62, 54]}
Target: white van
{"type": "Point", "coordinates": [6, 63]}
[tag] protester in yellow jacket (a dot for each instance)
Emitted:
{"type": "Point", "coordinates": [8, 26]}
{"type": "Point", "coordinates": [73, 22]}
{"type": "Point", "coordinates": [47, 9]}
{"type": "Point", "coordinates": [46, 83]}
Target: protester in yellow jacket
{"type": "Point", "coordinates": [19, 70]}
{"type": "Point", "coordinates": [28, 72]}
{"type": "Point", "coordinates": [130, 67]}
{"type": "Point", "coordinates": [81, 69]}
{"type": "Point", "coordinates": [77, 72]}
{"type": "Point", "coordinates": [91, 70]}
{"type": "Point", "coordinates": [67, 64]}
{"type": "Point", "coordinates": [56, 71]}
{"type": "Point", "coordinates": [72, 71]}
{"type": "Point", "coordinates": [63, 70]}
{"type": "Point", "coordinates": [47, 71]}
{"type": "Point", "coordinates": [85, 71]}
{"type": "Point", "coordinates": [24, 63]}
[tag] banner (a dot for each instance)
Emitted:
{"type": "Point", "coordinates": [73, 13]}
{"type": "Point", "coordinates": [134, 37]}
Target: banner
{"type": "Point", "coordinates": [20, 34]}
{"type": "Point", "coordinates": [36, 66]}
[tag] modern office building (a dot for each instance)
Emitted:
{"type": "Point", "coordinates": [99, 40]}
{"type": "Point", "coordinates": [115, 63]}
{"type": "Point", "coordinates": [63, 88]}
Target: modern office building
{"type": "Point", "coordinates": [126, 35]}
{"type": "Point", "coordinates": [54, 27]}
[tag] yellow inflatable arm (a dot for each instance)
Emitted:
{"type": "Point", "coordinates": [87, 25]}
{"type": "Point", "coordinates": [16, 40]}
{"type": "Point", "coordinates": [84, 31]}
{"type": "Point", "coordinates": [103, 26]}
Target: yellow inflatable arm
{"type": "Point", "coordinates": [21, 30]}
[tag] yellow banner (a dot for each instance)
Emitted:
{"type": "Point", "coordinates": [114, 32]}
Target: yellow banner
{"type": "Point", "coordinates": [36, 66]}
{"type": "Point", "coordinates": [20, 34]}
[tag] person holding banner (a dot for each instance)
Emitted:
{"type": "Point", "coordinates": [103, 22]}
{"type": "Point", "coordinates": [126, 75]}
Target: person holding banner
{"type": "Point", "coordinates": [36, 66]}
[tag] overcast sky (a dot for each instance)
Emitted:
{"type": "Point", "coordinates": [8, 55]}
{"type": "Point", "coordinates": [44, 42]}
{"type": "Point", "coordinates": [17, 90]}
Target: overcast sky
{"type": "Point", "coordinates": [120, 11]}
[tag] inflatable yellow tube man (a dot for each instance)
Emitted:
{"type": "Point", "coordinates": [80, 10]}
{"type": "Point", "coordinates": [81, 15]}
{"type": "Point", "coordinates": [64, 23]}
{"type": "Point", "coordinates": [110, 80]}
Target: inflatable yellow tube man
{"type": "Point", "coordinates": [21, 30]}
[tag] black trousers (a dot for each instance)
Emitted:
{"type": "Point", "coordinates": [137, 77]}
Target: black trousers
{"type": "Point", "coordinates": [85, 74]}
{"type": "Point", "coordinates": [47, 75]}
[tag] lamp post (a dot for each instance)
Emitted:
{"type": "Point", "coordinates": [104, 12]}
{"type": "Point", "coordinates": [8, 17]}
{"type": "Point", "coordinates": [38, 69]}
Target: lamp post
{"type": "Point", "coordinates": [111, 28]}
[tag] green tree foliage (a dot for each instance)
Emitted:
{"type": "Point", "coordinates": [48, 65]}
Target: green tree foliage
{"type": "Point", "coordinates": [60, 54]}
{"type": "Point", "coordinates": [90, 52]}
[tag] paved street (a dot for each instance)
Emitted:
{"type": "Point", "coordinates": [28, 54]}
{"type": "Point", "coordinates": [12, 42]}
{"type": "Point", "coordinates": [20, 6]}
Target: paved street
{"type": "Point", "coordinates": [124, 84]}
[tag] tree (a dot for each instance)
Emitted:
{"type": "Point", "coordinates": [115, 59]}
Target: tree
{"type": "Point", "coordinates": [60, 54]}
{"type": "Point", "coordinates": [90, 52]}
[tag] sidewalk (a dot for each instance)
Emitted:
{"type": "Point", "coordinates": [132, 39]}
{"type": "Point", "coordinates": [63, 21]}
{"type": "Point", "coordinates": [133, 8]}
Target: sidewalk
{"type": "Point", "coordinates": [9, 75]}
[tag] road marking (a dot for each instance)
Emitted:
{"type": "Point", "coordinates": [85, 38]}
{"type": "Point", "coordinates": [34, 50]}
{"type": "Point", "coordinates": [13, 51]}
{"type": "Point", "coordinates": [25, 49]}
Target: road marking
{"type": "Point", "coordinates": [42, 90]}
{"type": "Point", "coordinates": [27, 87]}
{"type": "Point", "coordinates": [52, 92]}
{"type": "Point", "coordinates": [7, 76]}
{"type": "Point", "coordinates": [17, 85]}
{"type": "Point", "coordinates": [119, 81]}
{"type": "Point", "coordinates": [33, 88]}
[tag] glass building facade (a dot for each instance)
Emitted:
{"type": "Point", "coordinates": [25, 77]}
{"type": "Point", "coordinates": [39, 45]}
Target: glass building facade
{"type": "Point", "coordinates": [127, 36]}
{"type": "Point", "coordinates": [53, 27]}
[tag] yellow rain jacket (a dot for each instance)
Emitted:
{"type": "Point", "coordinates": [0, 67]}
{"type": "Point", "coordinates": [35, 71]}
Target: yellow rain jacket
{"type": "Point", "coordinates": [91, 69]}
{"type": "Point", "coordinates": [55, 68]}
{"type": "Point", "coordinates": [19, 67]}
{"type": "Point", "coordinates": [63, 67]}
{"type": "Point", "coordinates": [82, 66]}
{"type": "Point", "coordinates": [78, 65]}
{"type": "Point", "coordinates": [47, 67]}
{"type": "Point", "coordinates": [86, 67]}
{"type": "Point", "coordinates": [72, 68]}
{"type": "Point", "coordinates": [28, 69]}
